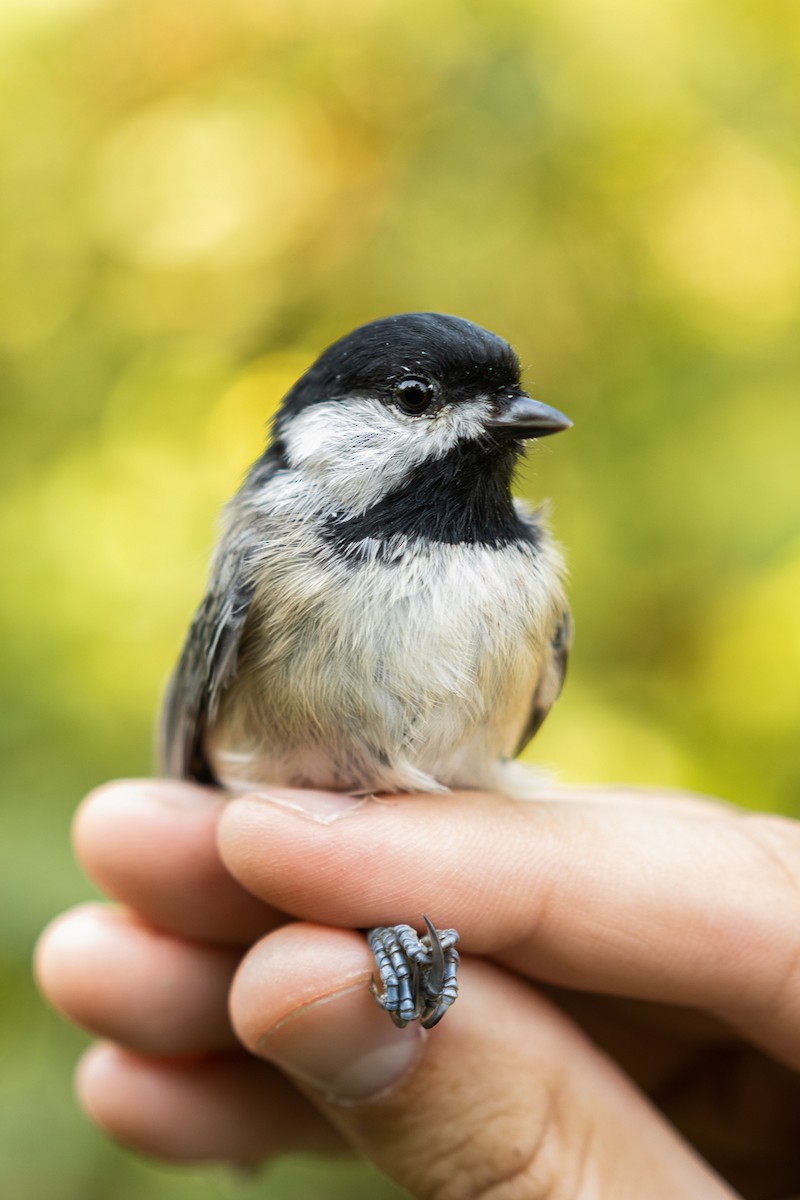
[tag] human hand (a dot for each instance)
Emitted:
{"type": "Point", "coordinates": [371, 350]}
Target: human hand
{"type": "Point", "coordinates": [662, 927]}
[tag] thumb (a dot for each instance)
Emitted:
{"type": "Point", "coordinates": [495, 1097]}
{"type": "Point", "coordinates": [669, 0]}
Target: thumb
{"type": "Point", "coordinates": [505, 1098]}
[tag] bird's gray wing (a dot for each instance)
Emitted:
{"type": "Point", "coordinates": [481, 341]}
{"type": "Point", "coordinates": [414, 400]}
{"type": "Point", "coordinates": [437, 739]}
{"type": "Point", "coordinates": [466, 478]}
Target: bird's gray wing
{"type": "Point", "coordinates": [206, 666]}
{"type": "Point", "coordinates": [551, 680]}
{"type": "Point", "coordinates": [210, 655]}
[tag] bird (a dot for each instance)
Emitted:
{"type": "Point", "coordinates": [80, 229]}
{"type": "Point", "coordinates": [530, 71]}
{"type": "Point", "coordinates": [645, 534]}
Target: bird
{"type": "Point", "coordinates": [381, 614]}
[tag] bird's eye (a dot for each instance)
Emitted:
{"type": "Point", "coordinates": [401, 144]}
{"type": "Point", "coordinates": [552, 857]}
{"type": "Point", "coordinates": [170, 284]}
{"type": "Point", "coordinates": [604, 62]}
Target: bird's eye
{"type": "Point", "coordinates": [413, 396]}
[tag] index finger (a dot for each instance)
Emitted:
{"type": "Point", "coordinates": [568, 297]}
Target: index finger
{"type": "Point", "coordinates": [691, 905]}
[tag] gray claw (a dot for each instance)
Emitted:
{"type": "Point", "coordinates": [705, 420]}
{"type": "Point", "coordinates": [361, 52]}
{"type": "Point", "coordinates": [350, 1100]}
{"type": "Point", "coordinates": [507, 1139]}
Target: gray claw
{"type": "Point", "coordinates": [435, 977]}
{"type": "Point", "coordinates": [417, 975]}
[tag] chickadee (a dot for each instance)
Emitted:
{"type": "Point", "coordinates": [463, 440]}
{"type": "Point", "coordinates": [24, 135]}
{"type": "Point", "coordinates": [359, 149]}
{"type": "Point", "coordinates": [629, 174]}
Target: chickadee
{"type": "Point", "coordinates": [381, 615]}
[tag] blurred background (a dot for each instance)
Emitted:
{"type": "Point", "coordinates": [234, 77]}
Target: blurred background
{"type": "Point", "coordinates": [196, 198]}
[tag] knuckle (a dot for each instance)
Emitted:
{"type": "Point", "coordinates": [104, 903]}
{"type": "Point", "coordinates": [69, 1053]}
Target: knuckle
{"type": "Point", "coordinates": [777, 839]}
{"type": "Point", "coordinates": [757, 933]}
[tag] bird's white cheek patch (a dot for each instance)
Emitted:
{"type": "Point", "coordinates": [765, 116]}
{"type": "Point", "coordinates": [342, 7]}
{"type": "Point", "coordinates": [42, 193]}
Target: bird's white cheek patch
{"type": "Point", "coordinates": [354, 450]}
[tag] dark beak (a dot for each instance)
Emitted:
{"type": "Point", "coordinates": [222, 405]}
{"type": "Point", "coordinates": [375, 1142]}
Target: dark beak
{"type": "Point", "coordinates": [518, 415]}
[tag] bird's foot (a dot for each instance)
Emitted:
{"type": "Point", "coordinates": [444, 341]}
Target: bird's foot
{"type": "Point", "coordinates": [417, 974]}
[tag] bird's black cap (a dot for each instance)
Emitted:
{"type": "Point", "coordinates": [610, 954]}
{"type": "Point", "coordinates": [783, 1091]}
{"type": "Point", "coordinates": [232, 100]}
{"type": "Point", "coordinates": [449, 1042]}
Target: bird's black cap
{"type": "Point", "coordinates": [463, 358]}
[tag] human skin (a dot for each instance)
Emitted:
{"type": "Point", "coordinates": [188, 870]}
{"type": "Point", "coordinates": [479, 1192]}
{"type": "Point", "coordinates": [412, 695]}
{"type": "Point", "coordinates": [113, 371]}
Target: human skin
{"type": "Point", "coordinates": [629, 1017]}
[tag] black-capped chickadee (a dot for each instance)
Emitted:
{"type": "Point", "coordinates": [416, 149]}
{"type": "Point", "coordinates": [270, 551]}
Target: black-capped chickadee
{"type": "Point", "coordinates": [381, 615]}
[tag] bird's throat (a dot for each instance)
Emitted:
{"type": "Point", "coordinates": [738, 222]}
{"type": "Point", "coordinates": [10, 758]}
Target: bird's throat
{"type": "Point", "coordinates": [463, 497]}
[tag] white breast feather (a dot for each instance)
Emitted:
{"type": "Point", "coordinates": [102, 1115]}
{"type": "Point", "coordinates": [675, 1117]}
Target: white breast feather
{"type": "Point", "coordinates": [412, 670]}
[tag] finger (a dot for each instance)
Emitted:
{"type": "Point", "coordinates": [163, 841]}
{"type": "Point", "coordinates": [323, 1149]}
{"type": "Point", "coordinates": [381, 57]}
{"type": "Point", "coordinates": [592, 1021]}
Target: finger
{"type": "Point", "coordinates": [506, 1097]}
{"type": "Point", "coordinates": [690, 907]}
{"type": "Point", "coordinates": [151, 844]}
{"type": "Point", "coordinates": [625, 793]}
{"type": "Point", "coordinates": [118, 978]}
{"type": "Point", "coordinates": [227, 1108]}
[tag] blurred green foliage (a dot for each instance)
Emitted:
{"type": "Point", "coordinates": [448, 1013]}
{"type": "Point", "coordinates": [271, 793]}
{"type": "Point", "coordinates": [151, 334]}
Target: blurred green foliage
{"type": "Point", "coordinates": [196, 198]}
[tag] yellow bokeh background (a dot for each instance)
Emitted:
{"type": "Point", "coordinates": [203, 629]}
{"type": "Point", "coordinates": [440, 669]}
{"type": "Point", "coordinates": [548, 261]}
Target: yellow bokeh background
{"type": "Point", "coordinates": [196, 198]}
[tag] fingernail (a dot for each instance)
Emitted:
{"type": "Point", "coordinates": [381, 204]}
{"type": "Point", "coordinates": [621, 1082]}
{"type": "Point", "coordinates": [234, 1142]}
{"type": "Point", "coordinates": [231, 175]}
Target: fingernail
{"type": "Point", "coordinates": [323, 807]}
{"type": "Point", "coordinates": [344, 1046]}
